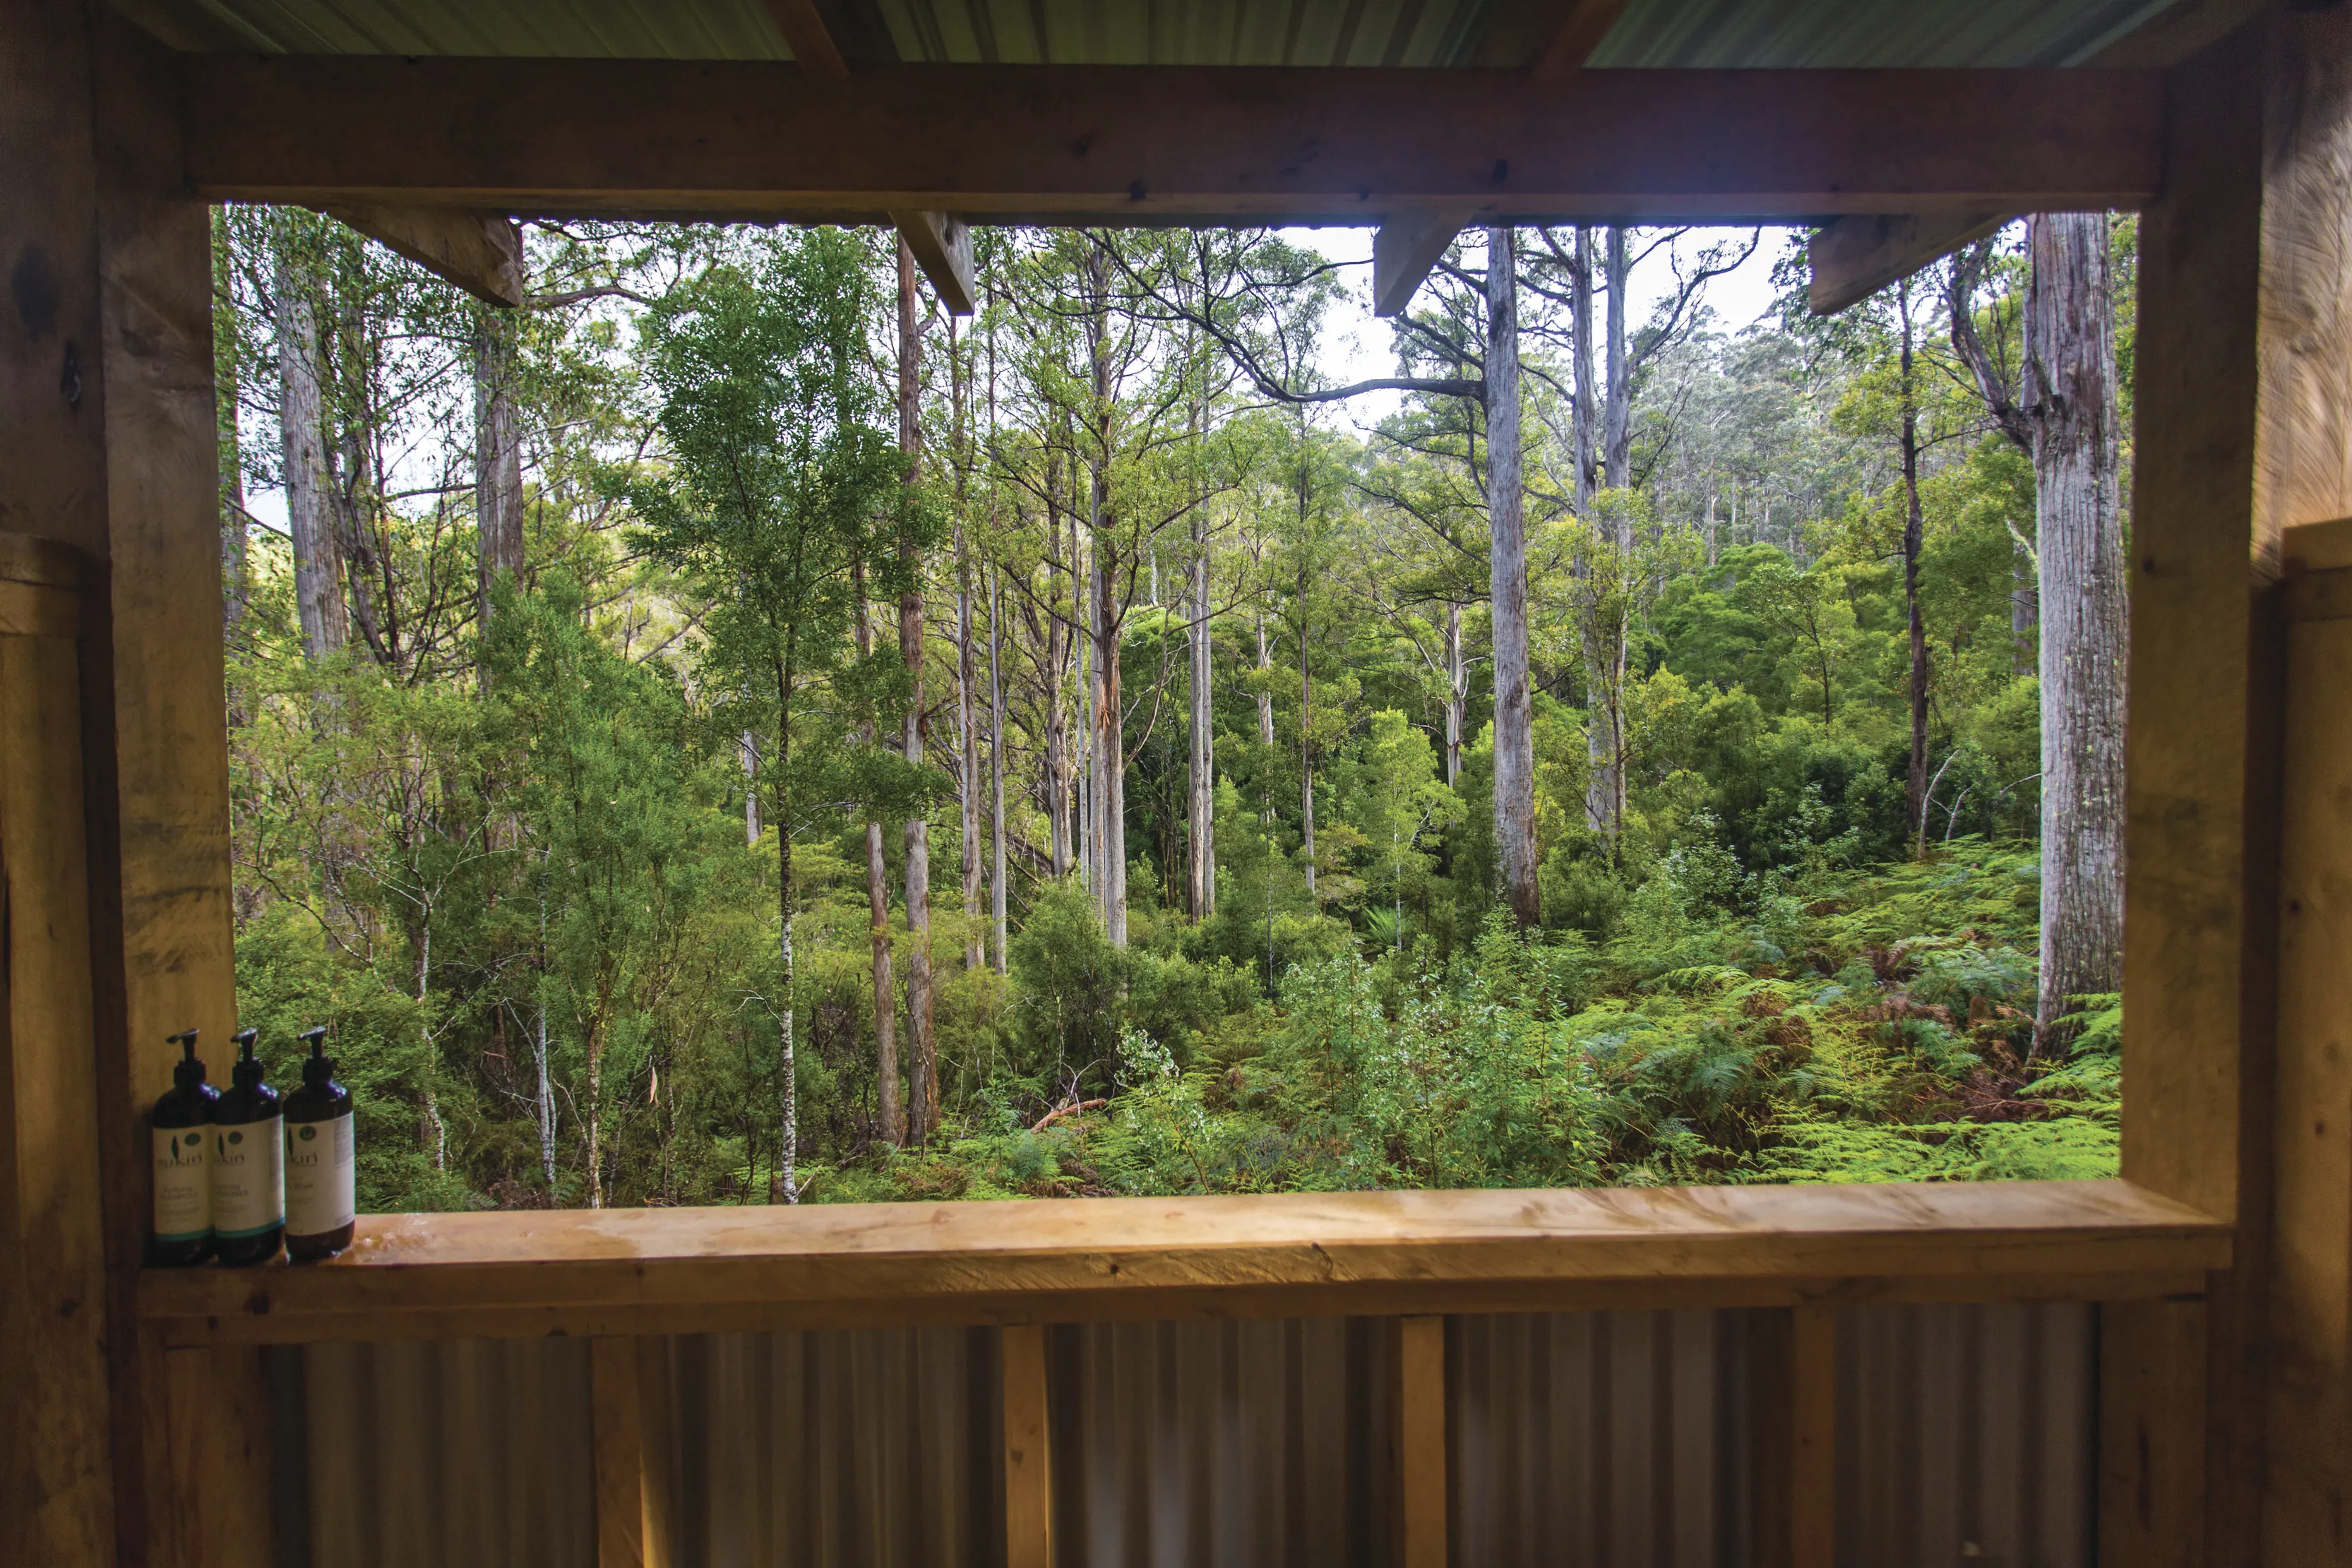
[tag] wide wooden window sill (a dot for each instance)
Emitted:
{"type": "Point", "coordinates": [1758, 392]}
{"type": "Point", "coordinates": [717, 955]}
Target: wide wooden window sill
{"type": "Point", "coordinates": [679, 1270]}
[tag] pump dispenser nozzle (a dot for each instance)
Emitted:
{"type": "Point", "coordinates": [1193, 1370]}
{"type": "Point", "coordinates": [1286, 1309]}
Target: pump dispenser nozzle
{"type": "Point", "coordinates": [317, 1068]}
{"type": "Point", "coordinates": [247, 1072]}
{"type": "Point", "coordinates": [188, 1072]}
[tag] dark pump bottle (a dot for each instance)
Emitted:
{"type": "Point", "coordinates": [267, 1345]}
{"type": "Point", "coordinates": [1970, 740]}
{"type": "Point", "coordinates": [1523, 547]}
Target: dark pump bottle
{"type": "Point", "coordinates": [248, 1182]}
{"type": "Point", "coordinates": [321, 1212]}
{"type": "Point", "coordinates": [181, 1131]}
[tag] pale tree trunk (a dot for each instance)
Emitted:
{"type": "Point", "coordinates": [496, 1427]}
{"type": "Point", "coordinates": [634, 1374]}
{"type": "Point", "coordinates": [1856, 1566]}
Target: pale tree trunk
{"type": "Point", "coordinates": [1515, 803]}
{"type": "Point", "coordinates": [887, 1105]}
{"type": "Point", "coordinates": [497, 457]}
{"type": "Point", "coordinates": [302, 417]}
{"type": "Point", "coordinates": [1056, 758]}
{"type": "Point", "coordinates": [1617, 430]}
{"type": "Point", "coordinates": [1457, 693]}
{"type": "Point", "coordinates": [2025, 612]}
{"type": "Point", "coordinates": [1605, 624]}
{"type": "Point", "coordinates": [1915, 792]}
{"type": "Point", "coordinates": [968, 738]}
{"type": "Point", "coordinates": [967, 730]}
{"type": "Point", "coordinates": [1265, 697]}
{"type": "Point", "coordinates": [1202, 885]}
{"type": "Point", "coordinates": [747, 750]}
{"type": "Point", "coordinates": [1110, 793]}
{"type": "Point", "coordinates": [1600, 746]}
{"type": "Point", "coordinates": [1586, 413]}
{"type": "Point", "coordinates": [545, 1098]}
{"type": "Point", "coordinates": [1087, 823]}
{"type": "Point", "coordinates": [996, 766]}
{"type": "Point", "coordinates": [1107, 809]}
{"type": "Point", "coordinates": [788, 1061]}
{"type": "Point", "coordinates": [923, 1069]}
{"type": "Point", "coordinates": [2070, 373]}
{"type": "Point", "coordinates": [1305, 705]}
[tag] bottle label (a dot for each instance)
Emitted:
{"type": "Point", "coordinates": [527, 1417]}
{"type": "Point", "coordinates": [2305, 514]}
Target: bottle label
{"type": "Point", "coordinates": [248, 1182]}
{"type": "Point", "coordinates": [184, 1194]}
{"type": "Point", "coordinates": [319, 1195]}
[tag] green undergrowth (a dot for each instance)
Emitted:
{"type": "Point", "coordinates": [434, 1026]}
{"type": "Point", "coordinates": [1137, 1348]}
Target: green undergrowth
{"type": "Point", "coordinates": [1872, 1025]}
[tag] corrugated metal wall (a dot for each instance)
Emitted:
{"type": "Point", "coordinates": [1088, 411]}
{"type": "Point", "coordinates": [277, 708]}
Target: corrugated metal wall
{"type": "Point", "coordinates": [1616, 1439]}
{"type": "Point", "coordinates": [1589, 1441]}
{"type": "Point", "coordinates": [1221, 1444]}
{"type": "Point", "coordinates": [469, 1451]}
{"type": "Point", "coordinates": [872, 1450]}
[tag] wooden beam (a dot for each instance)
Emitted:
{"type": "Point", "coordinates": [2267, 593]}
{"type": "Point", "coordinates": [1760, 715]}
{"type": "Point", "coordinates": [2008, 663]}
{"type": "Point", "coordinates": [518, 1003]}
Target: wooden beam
{"type": "Point", "coordinates": [1407, 245]}
{"type": "Point", "coordinates": [1421, 1478]}
{"type": "Point", "coordinates": [481, 253]}
{"type": "Point", "coordinates": [1003, 144]}
{"type": "Point", "coordinates": [683, 1270]}
{"type": "Point", "coordinates": [1853, 258]}
{"type": "Point", "coordinates": [1028, 1449]}
{"type": "Point", "coordinates": [941, 243]}
{"type": "Point", "coordinates": [812, 42]}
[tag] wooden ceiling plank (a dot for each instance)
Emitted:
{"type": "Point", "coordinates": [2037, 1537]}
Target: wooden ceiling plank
{"type": "Point", "coordinates": [1407, 245]}
{"type": "Point", "coordinates": [480, 251]}
{"type": "Point", "coordinates": [941, 244]}
{"type": "Point", "coordinates": [999, 144]}
{"type": "Point", "coordinates": [813, 45]}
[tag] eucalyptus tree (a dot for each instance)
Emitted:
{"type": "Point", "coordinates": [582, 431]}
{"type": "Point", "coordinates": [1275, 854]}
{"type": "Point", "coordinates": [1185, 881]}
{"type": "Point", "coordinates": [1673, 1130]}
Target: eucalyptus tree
{"type": "Point", "coordinates": [782, 475]}
{"type": "Point", "coordinates": [2055, 397]}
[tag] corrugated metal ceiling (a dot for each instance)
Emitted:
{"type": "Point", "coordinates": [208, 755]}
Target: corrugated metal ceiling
{"type": "Point", "coordinates": [1695, 33]}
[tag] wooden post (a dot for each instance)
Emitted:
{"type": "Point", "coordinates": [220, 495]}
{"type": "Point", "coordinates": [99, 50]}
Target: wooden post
{"type": "Point", "coordinates": [1028, 1449]}
{"type": "Point", "coordinates": [1421, 1451]}
{"type": "Point", "coordinates": [107, 443]}
{"type": "Point", "coordinates": [56, 1493]}
{"type": "Point", "coordinates": [2310, 1404]}
{"type": "Point", "coordinates": [1793, 1436]}
{"type": "Point", "coordinates": [629, 1404]}
{"type": "Point", "coordinates": [2303, 488]}
{"type": "Point", "coordinates": [2180, 1383]}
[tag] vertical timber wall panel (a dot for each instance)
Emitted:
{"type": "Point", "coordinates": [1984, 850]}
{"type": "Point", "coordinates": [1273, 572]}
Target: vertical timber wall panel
{"type": "Point", "coordinates": [837, 1450]}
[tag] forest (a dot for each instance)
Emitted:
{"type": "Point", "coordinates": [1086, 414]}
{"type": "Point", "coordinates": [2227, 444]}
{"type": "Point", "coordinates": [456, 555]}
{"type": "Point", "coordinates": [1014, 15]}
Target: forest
{"type": "Point", "coordinates": [735, 731]}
